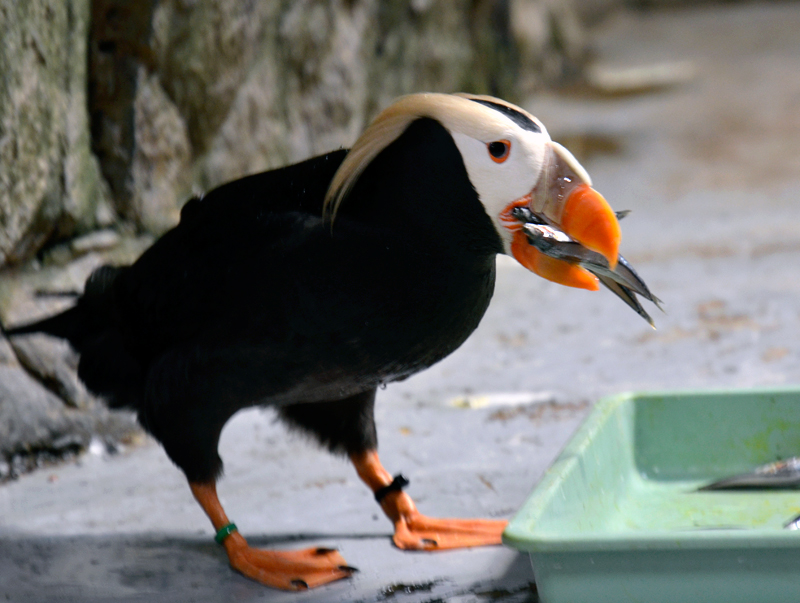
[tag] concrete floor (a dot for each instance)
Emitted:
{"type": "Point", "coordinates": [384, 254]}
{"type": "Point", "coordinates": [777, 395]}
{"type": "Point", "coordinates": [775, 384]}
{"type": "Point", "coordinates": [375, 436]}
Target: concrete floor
{"type": "Point", "coordinates": [711, 169]}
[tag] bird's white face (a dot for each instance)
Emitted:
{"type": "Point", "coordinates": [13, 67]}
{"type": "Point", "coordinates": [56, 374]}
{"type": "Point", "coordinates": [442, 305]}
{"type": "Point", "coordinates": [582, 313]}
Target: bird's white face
{"type": "Point", "coordinates": [503, 167]}
{"type": "Point", "coordinates": [512, 162]}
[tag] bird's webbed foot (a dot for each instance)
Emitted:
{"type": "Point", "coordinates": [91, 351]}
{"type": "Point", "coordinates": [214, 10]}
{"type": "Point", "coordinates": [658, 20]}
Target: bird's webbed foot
{"type": "Point", "coordinates": [417, 532]}
{"type": "Point", "coordinates": [412, 529]}
{"type": "Point", "coordinates": [287, 570]}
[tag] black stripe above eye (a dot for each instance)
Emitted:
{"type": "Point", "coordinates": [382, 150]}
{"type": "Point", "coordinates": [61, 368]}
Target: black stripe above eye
{"type": "Point", "coordinates": [522, 120]}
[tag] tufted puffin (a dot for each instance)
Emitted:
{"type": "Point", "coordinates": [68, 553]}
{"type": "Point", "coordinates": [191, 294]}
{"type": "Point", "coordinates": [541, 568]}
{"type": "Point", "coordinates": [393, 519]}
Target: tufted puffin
{"type": "Point", "coordinates": [306, 288]}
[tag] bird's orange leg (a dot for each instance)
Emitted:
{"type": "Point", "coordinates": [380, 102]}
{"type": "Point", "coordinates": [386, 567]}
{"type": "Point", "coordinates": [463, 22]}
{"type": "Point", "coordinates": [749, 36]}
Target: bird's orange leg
{"type": "Point", "coordinates": [288, 570]}
{"type": "Point", "coordinates": [414, 531]}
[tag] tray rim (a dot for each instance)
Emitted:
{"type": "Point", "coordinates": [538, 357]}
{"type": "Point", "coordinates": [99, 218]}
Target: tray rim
{"type": "Point", "coordinates": [519, 536]}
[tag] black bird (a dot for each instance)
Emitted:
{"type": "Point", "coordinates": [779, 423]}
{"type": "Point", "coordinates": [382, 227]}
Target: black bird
{"type": "Point", "coordinates": [308, 287]}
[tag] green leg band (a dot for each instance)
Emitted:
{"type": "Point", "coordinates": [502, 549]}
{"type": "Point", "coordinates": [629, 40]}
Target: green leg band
{"type": "Point", "coordinates": [225, 531]}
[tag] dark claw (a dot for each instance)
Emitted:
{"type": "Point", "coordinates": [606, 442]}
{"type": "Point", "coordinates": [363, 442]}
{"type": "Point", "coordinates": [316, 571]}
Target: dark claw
{"type": "Point", "coordinates": [324, 551]}
{"type": "Point", "coordinates": [300, 584]}
{"type": "Point", "coordinates": [348, 568]}
{"type": "Point", "coordinates": [430, 541]}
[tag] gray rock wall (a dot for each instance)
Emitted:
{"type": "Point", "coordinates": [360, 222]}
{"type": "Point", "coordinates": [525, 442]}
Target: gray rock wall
{"type": "Point", "coordinates": [50, 184]}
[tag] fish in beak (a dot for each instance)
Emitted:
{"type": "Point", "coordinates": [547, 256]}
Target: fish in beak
{"type": "Point", "coordinates": [564, 199]}
{"type": "Point", "coordinates": [567, 233]}
{"type": "Point", "coordinates": [622, 279]}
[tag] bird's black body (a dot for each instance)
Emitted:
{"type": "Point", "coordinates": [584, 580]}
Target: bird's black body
{"type": "Point", "coordinates": [255, 299]}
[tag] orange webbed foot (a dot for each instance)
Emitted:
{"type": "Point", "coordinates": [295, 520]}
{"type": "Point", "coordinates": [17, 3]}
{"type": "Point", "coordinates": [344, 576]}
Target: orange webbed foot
{"type": "Point", "coordinates": [421, 533]}
{"type": "Point", "coordinates": [417, 532]}
{"type": "Point", "coordinates": [413, 530]}
{"type": "Point", "coordinates": [287, 570]}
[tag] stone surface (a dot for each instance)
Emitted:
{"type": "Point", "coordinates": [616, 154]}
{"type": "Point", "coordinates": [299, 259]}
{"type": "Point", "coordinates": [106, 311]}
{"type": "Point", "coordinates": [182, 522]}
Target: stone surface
{"type": "Point", "coordinates": [87, 197]}
{"type": "Point", "coordinates": [32, 418]}
{"type": "Point", "coordinates": [54, 363]}
{"type": "Point", "coordinates": [118, 47]}
{"type": "Point", "coordinates": [33, 108]}
{"type": "Point", "coordinates": [550, 42]}
{"type": "Point", "coordinates": [49, 182]}
{"type": "Point", "coordinates": [97, 240]}
{"type": "Point", "coordinates": [161, 169]}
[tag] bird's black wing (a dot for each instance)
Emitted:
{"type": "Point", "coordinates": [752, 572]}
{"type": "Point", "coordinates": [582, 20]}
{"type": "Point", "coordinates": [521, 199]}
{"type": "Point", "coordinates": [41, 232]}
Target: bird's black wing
{"type": "Point", "coordinates": [228, 246]}
{"type": "Point", "coordinates": [254, 286]}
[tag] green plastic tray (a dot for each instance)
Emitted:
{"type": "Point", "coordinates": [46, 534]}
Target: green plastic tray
{"type": "Point", "coordinates": [617, 517]}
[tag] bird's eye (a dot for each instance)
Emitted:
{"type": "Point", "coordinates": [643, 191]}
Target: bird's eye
{"type": "Point", "coordinates": [499, 150]}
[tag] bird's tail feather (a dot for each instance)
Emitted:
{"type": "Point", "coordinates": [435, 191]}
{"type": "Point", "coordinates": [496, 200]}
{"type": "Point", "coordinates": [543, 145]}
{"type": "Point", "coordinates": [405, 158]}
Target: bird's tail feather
{"type": "Point", "coordinates": [85, 319]}
{"type": "Point", "coordinates": [66, 325]}
{"type": "Point", "coordinates": [106, 366]}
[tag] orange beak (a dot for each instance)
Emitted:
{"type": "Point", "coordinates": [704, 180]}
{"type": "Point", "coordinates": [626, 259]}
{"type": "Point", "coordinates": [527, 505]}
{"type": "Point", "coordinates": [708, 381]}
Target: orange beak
{"type": "Point", "coordinates": [589, 219]}
{"type": "Point", "coordinates": [565, 198]}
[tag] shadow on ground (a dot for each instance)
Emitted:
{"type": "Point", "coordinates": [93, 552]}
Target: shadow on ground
{"type": "Point", "coordinates": [152, 568]}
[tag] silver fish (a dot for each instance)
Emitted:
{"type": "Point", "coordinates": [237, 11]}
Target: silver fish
{"type": "Point", "coordinates": [623, 280]}
{"type": "Point", "coordinates": [780, 474]}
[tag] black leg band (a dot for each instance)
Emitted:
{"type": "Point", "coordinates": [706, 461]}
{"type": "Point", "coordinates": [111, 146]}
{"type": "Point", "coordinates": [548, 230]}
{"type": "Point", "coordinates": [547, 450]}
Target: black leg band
{"type": "Point", "coordinates": [398, 483]}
